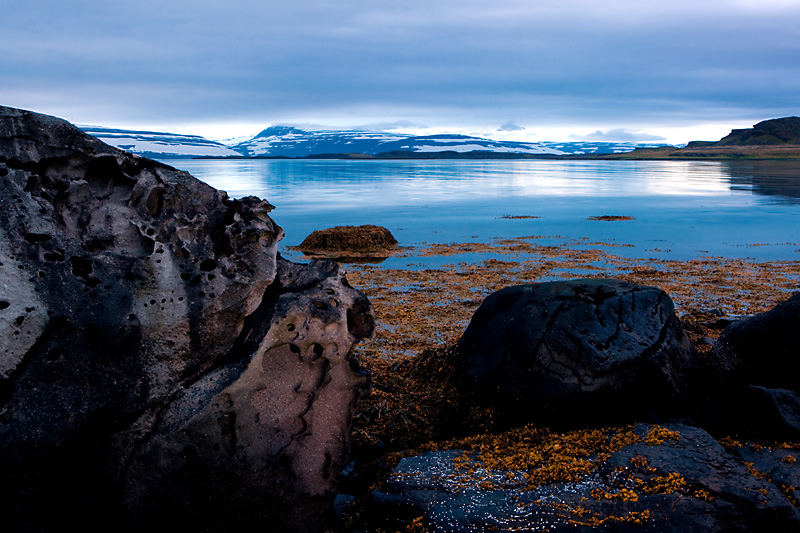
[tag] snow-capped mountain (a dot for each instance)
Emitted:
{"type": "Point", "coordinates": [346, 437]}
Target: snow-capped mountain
{"type": "Point", "coordinates": [598, 147]}
{"type": "Point", "coordinates": [158, 144]}
{"type": "Point", "coordinates": [287, 141]}
{"type": "Point", "coordinates": [462, 144]}
{"type": "Point", "coordinates": [292, 142]}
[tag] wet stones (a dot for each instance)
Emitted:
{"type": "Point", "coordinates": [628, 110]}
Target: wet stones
{"type": "Point", "coordinates": [633, 478]}
{"type": "Point", "coordinates": [592, 345]}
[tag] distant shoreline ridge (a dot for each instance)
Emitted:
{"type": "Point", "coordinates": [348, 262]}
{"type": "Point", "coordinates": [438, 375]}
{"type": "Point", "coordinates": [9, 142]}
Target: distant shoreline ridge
{"type": "Point", "coordinates": [770, 139]}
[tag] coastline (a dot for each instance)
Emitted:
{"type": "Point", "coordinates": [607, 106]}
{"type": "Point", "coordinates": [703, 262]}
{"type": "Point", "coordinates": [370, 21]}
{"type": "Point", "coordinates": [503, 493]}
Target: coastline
{"type": "Point", "coordinates": [420, 314]}
{"type": "Point", "coordinates": [737, 153]}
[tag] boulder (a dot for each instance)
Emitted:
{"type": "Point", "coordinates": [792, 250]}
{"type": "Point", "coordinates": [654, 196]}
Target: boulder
{"type": "Point", "coordinates": [600, 346]}
{"type": "Point", "coordinates": [350, 243]}
{"type": "Point", "coordinates": [640, 478]}
{"type": "Point", "coordinates": [752, 411]}
{"type": "Point", "coordinates": [158, 360]}
{"type": "Point", "coordinates": [761, 350]}
{"type": "Point", "coordinates": [779, 465]}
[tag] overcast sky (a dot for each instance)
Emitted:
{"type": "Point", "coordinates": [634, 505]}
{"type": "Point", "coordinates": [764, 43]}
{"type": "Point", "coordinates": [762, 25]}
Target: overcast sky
{"type": "Point", "coordinates": [510, 69]}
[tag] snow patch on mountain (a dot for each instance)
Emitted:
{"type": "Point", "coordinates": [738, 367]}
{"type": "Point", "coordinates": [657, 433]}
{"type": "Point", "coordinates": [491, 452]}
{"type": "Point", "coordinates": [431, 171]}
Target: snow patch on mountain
{"type": "Point", "coordinates": [292, 142]}
{"type": "Point", "coordinates": [289, 141]}
{"type": "Point", "coordinates": [159, 144]}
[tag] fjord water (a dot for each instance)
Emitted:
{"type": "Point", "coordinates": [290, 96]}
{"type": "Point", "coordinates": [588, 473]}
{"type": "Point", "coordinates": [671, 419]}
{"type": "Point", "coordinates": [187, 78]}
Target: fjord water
{"type": "Point", "coordinates": [681, 209]}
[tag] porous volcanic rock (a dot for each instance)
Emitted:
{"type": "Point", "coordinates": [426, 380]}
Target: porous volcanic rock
{"type": "Point", "coordinates": [602, 346]}
{"type": "Point", "coordinates": [350, 243]}
{"type": "Point", "coordinates": [158, 360]}
{"type": "Point", "coordinates": [684, 482]}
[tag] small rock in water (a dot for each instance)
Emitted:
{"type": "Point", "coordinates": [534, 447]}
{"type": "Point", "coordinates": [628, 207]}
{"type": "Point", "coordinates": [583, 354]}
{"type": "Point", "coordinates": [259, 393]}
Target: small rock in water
{"type": "Point", "coordinates": [350, 243]}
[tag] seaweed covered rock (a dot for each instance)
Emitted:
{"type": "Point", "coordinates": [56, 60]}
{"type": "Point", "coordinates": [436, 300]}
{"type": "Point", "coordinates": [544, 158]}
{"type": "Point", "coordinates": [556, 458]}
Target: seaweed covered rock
{"type": "Point", "coordinates": [350, 243]}
{"type": "Point", "coordinates": [633, 478]}
{"type": "Point", "coordinates": [158, 359]}
{"type": "Point", "coordinates": [599, 346]}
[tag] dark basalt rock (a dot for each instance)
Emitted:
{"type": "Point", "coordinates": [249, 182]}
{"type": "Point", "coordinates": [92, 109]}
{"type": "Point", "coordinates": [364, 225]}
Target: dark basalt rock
{"type": "Point", "coordinates": [762, 349]}
{"type": "Point", "coordinates": [593, 347]}
{"type": "Point", "coordinates": [685, 484]}
{"type": "Point", "coordinates": [158, 360]}
{"type": "Point", "coordinates": [752, 412]}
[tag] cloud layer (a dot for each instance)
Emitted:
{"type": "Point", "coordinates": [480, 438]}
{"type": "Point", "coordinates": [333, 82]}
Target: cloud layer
{"type": "Point", "coordinates": [466, 63]}
{"type": "Point", "coordinates": [618, 135]}
{"type": "Point", "coordinates": [511, 125]}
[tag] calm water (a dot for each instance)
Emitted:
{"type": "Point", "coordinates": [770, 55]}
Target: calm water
{"type": "Point", "coordinates": [682, 210]}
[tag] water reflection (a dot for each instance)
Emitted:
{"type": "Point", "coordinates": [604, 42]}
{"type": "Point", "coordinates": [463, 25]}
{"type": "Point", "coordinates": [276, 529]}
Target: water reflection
{"type": "Point", "coordinates": [682, 209]}
{"type": "Point", "coordinates": [778, 179]}
{"type": "Point", "coordinates": [398, 182]}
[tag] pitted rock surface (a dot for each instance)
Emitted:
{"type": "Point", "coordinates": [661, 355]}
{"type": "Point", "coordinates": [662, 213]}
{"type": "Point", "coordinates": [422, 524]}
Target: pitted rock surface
{"type": "Point", "coordinates": [158, 359]}
{"type": "Point", "coordinates": [604, 345]}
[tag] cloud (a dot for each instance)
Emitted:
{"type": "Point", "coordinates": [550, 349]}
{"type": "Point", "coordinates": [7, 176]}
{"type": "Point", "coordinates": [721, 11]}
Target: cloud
{"type": "Point", "coordinates": [511, 125]}
{"type": "Point", "coordinates": [618, 135]}
{"type": "Point", "coordinates": [440, 63]}
{"type": "Point", "coordinates": [388, 126]}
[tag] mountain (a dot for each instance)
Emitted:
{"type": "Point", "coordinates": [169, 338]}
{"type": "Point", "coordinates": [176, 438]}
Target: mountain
{"type": "Point", "coordinates": [777, 138]}
{"type": "Point", "coordinates": [287, 141]}
{"type": "Point", "coordinates": [461, 144]}
{"type": "Point", "coordinates": [599, 147]}
{"type": "Point", "coordinates": [157, 144]}
{"type": "Point", "coordinates": [769, 132]}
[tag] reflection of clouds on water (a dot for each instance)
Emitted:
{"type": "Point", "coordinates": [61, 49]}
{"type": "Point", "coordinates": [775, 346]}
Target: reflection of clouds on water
{"type": "Point", "coordinates": [693, 208]}
{"type": "Point", "coordinates": [371, 183]}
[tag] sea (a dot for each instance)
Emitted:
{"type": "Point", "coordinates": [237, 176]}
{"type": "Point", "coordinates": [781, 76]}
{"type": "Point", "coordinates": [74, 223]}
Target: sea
{"type": "Point", "coordinates": [660, 209]}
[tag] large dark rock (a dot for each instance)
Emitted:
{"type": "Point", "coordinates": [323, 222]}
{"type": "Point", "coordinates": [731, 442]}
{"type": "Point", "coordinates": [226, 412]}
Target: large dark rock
{"type": "Point", "coordinates": [761, 350]}
{"type": "Point", "coordinates": [680, 479]}
{"type": "Point", "coordinates": [602, 346]}
{"type": "Point", "coordinates": [752, 411]}
{"type": "Point", "coordinates": [158, 360]}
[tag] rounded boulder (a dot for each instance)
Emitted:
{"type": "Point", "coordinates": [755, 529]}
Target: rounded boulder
{"type": "Point", "coordinates": [597, 344]}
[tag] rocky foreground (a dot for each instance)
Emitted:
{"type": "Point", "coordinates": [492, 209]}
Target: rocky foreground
{"type": "Point", "coordinates": [643, 424]}
{"type": "Point", "coordinates": [160, 365]}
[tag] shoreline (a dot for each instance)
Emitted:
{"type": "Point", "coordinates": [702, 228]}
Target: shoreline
{"type": "Point", "coordinates": [670, 153]}
{"type": "Point", "coordinates": [420, 314]}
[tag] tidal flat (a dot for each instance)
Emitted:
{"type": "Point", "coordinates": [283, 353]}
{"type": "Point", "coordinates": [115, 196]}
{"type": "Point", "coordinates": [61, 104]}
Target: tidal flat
{"type": "Point", "coordinates": [416, 405]}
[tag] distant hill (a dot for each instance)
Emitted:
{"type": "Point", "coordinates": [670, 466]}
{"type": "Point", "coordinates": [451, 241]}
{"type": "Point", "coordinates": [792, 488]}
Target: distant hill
{"type": "Point", "coordinates": [287, 141]}
{"type": "Point", "coordinates": [778, 138]}
{"type": "Point", "coordinates": [766, 133]}
{"type": "Point", "coordinates": [158, 144]}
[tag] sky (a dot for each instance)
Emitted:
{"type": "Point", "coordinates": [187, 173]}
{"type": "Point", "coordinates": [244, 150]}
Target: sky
{"type": "Point", "coordinates": [528, 70]}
